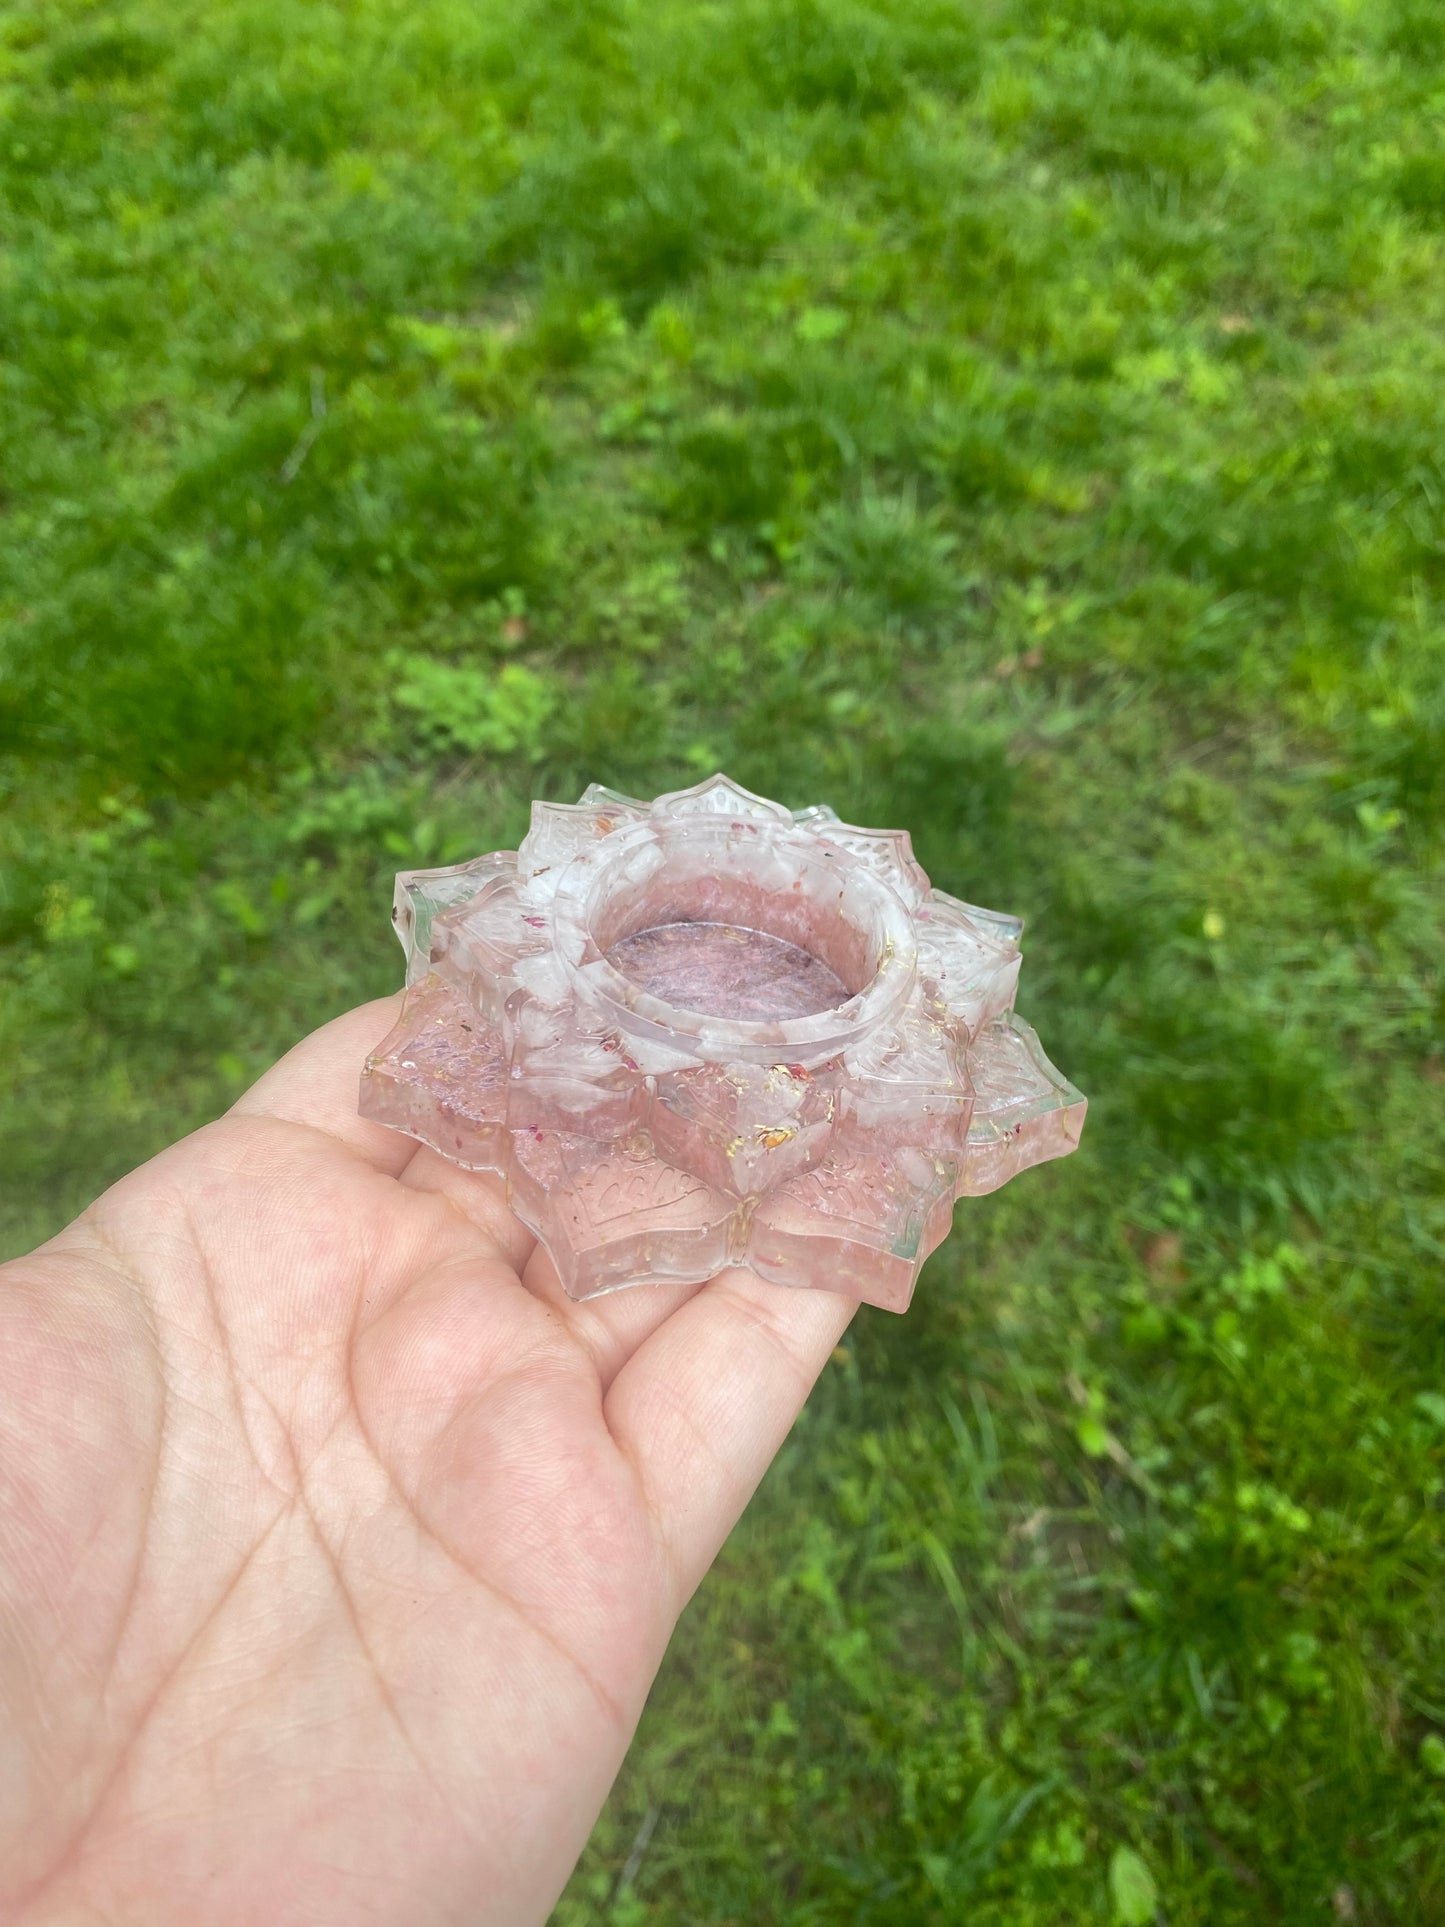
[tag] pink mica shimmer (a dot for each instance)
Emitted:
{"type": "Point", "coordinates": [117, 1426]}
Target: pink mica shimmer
{"type": "Point", "coordinates": [728, 970]}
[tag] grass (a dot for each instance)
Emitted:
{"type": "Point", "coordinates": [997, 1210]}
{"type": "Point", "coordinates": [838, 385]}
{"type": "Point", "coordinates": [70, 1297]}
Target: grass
{"type": "Point", "coordinates": [1020, 422]}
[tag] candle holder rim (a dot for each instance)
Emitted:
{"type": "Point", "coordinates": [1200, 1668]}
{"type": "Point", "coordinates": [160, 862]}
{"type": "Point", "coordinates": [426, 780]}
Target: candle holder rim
{"type": "Point", "coordinates": [703, 1034]}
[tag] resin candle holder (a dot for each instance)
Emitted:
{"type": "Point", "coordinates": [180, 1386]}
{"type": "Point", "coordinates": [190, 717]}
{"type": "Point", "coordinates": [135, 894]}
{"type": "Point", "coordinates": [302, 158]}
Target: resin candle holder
{"type": "Point", "coordinates": [710, 1031]}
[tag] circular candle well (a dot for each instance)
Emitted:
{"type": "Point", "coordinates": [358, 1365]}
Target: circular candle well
{"type": "Point", "coordinates": [742, 933]}
{"type": "Point", "coordinates": [728, 970]}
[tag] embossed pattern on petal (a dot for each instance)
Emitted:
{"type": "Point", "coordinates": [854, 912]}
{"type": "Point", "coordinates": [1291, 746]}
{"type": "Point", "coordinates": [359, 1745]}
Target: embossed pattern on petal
{"type": "Point", "coordinates": [889, 853]}
{"type": "Point", "coordinates": [561, 831]}
{"type": "Point", "coordinates": [910, 1085]}
{"type": "Point", "coordinates": [719, 796]}
{"type": "Point", "coordinates": [865, 1223]}
{"type": "Point", "coordinates": [973, 963]}
{"type": "Point", "coordinates": [1025, 1111]}
{"type": "Point", "coordinates": [613, 1214]}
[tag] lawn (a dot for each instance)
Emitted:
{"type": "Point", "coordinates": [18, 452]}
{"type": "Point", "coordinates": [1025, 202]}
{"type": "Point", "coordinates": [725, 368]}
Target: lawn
{"type": "Point", "coordinates": [1023, 422]}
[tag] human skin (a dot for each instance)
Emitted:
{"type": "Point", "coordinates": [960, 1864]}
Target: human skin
{"type": "Point", "coordinates": [338, 1549]}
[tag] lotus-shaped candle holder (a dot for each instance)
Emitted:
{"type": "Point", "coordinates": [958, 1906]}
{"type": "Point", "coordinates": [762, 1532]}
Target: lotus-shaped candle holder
{"type": "Point", "coordinates": [710, 1031]}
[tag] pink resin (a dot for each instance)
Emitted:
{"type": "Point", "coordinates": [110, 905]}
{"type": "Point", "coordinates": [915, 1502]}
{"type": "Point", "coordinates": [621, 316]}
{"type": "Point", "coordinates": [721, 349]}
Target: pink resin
{"type": "Point", "coordinates": [710, 1031]}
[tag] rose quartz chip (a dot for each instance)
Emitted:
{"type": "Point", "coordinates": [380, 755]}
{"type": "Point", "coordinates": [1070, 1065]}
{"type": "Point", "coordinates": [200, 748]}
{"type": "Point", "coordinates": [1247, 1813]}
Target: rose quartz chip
{"type": "Point", "coordinates": [710, 1031]}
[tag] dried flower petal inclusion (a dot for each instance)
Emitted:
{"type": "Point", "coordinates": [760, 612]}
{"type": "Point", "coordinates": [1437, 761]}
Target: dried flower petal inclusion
{"type": "Point", "coordinates": [710, 1031]}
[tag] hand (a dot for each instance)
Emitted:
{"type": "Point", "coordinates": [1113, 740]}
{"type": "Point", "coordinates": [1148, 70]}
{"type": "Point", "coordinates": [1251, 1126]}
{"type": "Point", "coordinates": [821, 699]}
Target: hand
{"type": "Point", "coordinates": [338, 1549]}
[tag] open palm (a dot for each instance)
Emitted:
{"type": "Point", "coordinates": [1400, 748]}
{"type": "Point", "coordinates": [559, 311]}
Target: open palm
{"type": "Point", "coordinates": [338, 1549]}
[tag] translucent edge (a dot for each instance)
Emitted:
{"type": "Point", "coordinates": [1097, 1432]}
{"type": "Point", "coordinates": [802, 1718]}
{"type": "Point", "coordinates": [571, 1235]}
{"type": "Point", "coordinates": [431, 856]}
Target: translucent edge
{"type": "Point", "coordinates": [1033, 1130]}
